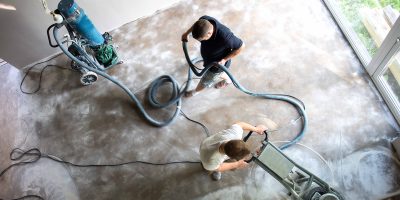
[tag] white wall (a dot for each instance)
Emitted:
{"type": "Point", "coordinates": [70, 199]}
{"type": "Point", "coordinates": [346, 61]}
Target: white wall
{"type": "Point", "coordinates": [23, 39]}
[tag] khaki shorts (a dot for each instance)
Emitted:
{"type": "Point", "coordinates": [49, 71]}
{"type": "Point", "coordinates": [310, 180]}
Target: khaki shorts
{"type": "Point", "coordinates": [210, 78]}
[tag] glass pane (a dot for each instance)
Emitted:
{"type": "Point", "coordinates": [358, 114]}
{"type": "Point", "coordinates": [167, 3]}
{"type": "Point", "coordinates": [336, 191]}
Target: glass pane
{"type": "Point", "coordinates": [370, 19]}
{"type": "Point", "coordinates": [392, 75]}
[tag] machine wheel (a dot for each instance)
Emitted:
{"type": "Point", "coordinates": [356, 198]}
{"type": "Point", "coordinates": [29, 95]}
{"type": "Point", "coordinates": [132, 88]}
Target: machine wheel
{"type": "Point", "coordinates": [320, 193]}
{"type": "Point", "coordinates": [314, 193]}
{"type": "Point", "coordinates": [332, 195]}
{"type": "Point", "coordinates": [329, 196]}
{"type": "Point", "coordinates": [88, 78]}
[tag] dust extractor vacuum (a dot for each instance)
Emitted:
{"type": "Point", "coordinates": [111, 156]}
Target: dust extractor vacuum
{"type": "Point", "coordinates": [85, 42]}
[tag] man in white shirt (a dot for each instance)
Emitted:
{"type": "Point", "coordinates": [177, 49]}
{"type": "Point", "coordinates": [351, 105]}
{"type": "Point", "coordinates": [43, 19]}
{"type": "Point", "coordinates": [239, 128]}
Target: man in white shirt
{"type": "Point", "coordinates": [227, 144]}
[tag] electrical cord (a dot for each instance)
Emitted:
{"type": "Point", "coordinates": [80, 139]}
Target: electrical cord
{"type": "Point", "coordinates": [35, 155]}
{"type": "Point", "coordinates": [41, 74]}
{"type": "Point", "coordinates": [28, 196]}
{"type": "Point", "coordinates": [40, 78]}
{"type": "Point", "coordinates": [18, 154]}
{"type": "Point", "coordinates": [199, 123]}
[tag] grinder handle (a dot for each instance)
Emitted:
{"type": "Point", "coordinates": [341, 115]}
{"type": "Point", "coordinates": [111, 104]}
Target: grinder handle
{"type": "Point", "coordinates": [247, 136]}
{"type": "Point", "coordinates": [245, 140]}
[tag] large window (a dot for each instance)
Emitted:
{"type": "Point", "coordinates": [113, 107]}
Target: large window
{"type": "Point", "coordinates": [373, 30]}
{"type": "Point", "coordinates": [370, 19]}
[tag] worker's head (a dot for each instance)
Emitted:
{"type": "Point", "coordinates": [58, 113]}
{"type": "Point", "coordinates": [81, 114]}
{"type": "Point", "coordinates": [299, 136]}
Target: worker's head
{"type": "Point", "coordinates": [236, 149]}
{"type": "Point", "coordinates": [202, 30]}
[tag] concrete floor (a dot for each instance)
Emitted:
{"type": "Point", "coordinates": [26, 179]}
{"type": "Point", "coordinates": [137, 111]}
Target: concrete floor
{"type": "Point", "coordinates": [293, 47]}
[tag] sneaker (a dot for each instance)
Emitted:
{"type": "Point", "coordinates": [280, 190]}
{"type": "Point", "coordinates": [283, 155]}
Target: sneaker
{"type": "Point", "coordinates": [221, 84]}
{"type": "Point", "coordinates": [216, 176]}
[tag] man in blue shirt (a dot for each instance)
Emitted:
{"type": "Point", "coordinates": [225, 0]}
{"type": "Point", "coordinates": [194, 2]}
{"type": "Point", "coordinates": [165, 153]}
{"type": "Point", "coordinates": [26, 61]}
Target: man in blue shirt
{"type": "Point", "coordinates": [218, 44]}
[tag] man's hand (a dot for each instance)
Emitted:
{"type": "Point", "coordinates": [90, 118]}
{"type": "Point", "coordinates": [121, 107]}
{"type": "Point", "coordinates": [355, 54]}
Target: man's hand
{"type": "Point", "coordinates": [258, 151]}
{"type": "Point", "coordinates": [232, 165]}
{"type": "Point", "coordinates": [260, 129]}
{"type": "Point", "coordinates": [222, 62]}
{"type": "Point", "coordinates": [184, 37]}
{"type": "Point", "coordinates": [241, 164]}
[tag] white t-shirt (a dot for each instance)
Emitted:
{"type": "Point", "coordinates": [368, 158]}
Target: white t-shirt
{"type": "Point", "coordinates": [210, 156]}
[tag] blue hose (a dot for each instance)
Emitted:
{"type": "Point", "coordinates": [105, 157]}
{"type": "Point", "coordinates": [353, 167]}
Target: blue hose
{"type": "Point", "coordinates": [177, 92]}
{"type": "Point", "coordinates": [290, 99]}
{"type": "Point", "coordinates": [175, 97]}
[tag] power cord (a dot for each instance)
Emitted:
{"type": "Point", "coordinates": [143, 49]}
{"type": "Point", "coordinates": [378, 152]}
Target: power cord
{"type": "Point", "coordinates": [41, 75]}
{"type": "Point", "coordinates": [199, 123]}
{"type": "Point", "coordinates": [40, 78]}
{"type": "Point", "coordinates": [17, 154]}
{"type": "Point", "coordinates": [35, 155]}
{"type": "Point", "coordinates": [28, 196]}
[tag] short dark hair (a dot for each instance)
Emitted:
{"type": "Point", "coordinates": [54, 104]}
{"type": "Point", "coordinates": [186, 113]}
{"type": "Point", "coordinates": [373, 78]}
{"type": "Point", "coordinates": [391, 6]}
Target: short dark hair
{"type": "Point", "coordinates": [236, 149]}
{"type": "Point", "coordinates": [200, 28]}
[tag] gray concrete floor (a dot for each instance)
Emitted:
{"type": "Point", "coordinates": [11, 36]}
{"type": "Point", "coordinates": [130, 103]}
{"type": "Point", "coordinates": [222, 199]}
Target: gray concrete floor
{"type": "Point", "coordinates": [293, 47]}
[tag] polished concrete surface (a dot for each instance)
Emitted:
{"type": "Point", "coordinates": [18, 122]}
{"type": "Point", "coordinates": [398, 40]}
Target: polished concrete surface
{"type": "Point", "coordinates": [293, 47]}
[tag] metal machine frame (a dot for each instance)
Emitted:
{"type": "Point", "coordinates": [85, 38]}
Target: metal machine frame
{"type": "Point", "coordinates": [301, 183]}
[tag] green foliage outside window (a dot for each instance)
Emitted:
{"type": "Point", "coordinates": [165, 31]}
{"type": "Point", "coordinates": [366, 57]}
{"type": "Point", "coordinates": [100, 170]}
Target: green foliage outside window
{"type": "Point", "coordinates": [350, 10]}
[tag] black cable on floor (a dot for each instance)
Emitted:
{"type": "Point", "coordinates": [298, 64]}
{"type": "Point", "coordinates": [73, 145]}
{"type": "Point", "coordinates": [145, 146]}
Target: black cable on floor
{"type": "Point", "coordinates": [28, 196]}
{"type": "Point", "coordinates": [35, 155]}
{"type": "Point", "coordinates": [199, 123]}
{"type": "Point", "coordinates": [41, 74]}
{"type": "Point", "coordinates": [40, 77]}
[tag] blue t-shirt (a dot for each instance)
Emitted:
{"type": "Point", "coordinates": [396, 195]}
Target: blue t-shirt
{"type": "Point", "coordinates": [221, 43]}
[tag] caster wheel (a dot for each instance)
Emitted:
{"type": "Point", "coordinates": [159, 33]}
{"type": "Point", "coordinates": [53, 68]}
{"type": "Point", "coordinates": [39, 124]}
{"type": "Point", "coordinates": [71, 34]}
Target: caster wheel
{"type": "Point", "coordinates": [329, 196]}
{"type": "Point", "coordinates": [120, 62]}
{"type": "Point", "coordinates": [88, 78]}
{"type": "Point", "coordinates": [319, 193]}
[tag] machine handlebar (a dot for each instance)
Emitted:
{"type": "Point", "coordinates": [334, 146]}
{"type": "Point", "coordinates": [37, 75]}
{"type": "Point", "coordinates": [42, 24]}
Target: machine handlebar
{"type": "Point", "coordinates": [49, 38]}
{"type": "Point", "coordinates": [251, 132]}
{"type": "Point", "coordinates": [263, 144]}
